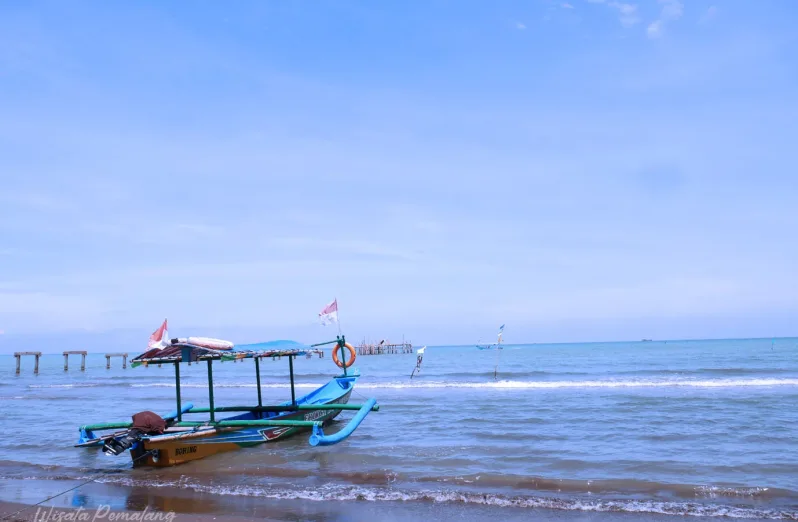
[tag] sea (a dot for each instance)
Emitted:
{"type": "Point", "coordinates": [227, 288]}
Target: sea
{"type": "Point", "coordinates": [664, 430]}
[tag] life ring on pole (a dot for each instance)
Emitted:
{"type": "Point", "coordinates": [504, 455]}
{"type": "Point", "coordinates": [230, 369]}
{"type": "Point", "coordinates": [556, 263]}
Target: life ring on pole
{"type": "Point", "coordinates": [352, 356]}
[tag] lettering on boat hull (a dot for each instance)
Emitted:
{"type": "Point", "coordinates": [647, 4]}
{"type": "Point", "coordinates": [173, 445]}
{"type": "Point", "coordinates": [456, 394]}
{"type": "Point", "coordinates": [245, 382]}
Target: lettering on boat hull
{"type": "Point", "coordinates": [172, 454]}
{"type": "Point", "coordinates": [316, 415]}
{"type": "Point", "coordinates": [273, 433]}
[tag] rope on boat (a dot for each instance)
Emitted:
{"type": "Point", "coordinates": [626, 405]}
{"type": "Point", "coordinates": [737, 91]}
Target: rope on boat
{"type": "Point", "coordinates": [10, 515]}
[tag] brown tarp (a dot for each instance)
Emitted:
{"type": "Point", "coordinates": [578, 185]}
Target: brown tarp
{"type": "Point", "coordinates": [149, 422]}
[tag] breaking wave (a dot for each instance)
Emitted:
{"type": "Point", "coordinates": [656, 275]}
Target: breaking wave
{"type": "Point", "coordinates": [328, 493]}
{"type": "Point", "coordinates": [502, 384]}
{"type": "Point", "coordinates": [383, 486]}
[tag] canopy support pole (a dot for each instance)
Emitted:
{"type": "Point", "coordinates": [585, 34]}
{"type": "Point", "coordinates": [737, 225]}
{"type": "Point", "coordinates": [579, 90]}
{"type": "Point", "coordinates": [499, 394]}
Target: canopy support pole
{"type": "Point", "coordinates": [177, 391]}
{"type": "Point", "coordinates": [257, 375]}
{"type": "Point", "coordinates": [341, 345]}
{"type": "Point", "coordinates": [291, 371]}
{"type": "Point", "coordinates": [210, 387]}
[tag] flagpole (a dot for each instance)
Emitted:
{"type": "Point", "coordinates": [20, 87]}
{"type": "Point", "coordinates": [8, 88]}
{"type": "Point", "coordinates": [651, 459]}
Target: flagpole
{"type": "Point", "coordinates": [338, 316]}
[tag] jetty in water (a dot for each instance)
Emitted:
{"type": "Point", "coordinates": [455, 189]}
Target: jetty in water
{"type": "Point", "coordinates": [384, 347]}
{"type": "Point", "coordinates": [82, 354]}
{"type": "Point", "coordinates": [18, 357]}
{"type": "Point", "coordinates": [108, 359]}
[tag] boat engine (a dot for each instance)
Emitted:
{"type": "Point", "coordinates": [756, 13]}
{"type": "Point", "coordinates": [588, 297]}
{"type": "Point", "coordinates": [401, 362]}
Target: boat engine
{"type": "Point", "coordinates": [144, 423]}
{"type": "Point", "coordinates": [115, 446]}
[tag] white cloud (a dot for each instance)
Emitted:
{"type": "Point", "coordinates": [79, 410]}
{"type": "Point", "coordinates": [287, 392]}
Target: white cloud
{"type": "Point", "coordinates": [676, 297]}
{"type": "Point", "coordinates": [39, 201]}
{"type": "Point", "coordinates": [29, 310]}
{"type": "Point", "coordinates": [672, 10]}
{"type": "Point", "coordinates": [628, 13]}
{"type": "Point", "coordinates": [654, 29]}
{"type": "Point", "coordinates": [11, 251]}
{"type": "Point", "coordinates": [566, 6]}
{"type": "Point", "coordinates": [520, 26]}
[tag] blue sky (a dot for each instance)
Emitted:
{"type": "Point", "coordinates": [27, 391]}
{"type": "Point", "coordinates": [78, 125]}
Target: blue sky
{"type": "Point", "coordinates": [582, 170]}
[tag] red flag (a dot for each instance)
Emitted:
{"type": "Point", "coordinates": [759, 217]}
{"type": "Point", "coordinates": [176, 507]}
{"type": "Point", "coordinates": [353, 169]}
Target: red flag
{"type": "Point", "coordinates": [157, 337]}
{"type": "Point", "coordinates": [330, 313]}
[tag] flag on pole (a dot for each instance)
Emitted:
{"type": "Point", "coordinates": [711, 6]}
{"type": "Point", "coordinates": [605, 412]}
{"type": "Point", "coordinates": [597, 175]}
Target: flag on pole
{"type": "Point", "coordinates": [329, 313]}
{"type": "Point", "coordinates": [160, 337]}
{"type": "Point", "coordinates": [501, 331]}
{"type": "Point", "coordinates": [419, 358]}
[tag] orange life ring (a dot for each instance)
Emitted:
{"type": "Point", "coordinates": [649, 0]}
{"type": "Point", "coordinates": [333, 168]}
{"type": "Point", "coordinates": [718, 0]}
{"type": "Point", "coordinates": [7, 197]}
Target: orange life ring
{"type": "Point", "coordinates": [352, 355]}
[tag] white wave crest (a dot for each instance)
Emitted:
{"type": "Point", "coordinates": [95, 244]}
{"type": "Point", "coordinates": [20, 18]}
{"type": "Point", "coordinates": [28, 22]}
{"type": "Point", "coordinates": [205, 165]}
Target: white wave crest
{"type": "Point", "coordinates": [349, 493]}
{"type": "Point", "coordinates": [713, 383]}
{"type": "Point", "coordinates": [504, 384]}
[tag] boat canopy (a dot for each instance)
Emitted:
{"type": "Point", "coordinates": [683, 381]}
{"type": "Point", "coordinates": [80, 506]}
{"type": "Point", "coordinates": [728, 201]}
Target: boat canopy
{"type": "Point", "coordinates": [188, 352]}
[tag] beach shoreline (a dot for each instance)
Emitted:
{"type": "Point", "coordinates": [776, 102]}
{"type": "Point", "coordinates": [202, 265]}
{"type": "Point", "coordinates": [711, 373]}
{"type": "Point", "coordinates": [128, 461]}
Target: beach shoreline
{"type": "Point", "coordinates": [182, 507]}
{"type": "Point", "coordinates": [16, 512]}
{"type": "Point", "coordinates": [346, 511]}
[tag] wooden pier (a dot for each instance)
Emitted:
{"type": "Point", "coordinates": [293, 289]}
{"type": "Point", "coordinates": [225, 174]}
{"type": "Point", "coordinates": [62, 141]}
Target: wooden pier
{"type": "Point", "coordinates": [18, 357]}
{"type": "Point", "coordinates": [108, 359]}
{"type": "Point", "coordinates": [82, 354]}
{"type": "Point", "coordinates": [384, 347]}
{"type": "Point", "coordinates": [124, 355]}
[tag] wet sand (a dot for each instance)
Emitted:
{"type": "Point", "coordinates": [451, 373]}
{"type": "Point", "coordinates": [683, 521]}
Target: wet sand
{"type": "Point", "coordinates": [15, 512]}
{"type": "Point", "coordinates": [302, 510]}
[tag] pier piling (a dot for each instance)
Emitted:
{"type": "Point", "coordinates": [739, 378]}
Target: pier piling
{"type": "Point", "coordinates": [18, 357]}
{"type": "Point", "coordinates": [82, 354]}
{"type": "Point", "coordinates": [384, 347]}
{"type": "Point", "coordinates": [108, 359]}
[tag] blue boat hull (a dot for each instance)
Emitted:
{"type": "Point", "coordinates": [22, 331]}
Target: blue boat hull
{"type": "Point", "coordinates": [179, 446]}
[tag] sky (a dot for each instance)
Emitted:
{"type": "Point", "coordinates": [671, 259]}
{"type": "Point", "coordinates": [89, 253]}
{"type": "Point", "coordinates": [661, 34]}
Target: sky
{"type": "Point", "coordinates": [589, 170]}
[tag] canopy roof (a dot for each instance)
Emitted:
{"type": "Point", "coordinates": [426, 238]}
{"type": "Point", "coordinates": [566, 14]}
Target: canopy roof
{"type": "Point", "coordinates": [187, 352]}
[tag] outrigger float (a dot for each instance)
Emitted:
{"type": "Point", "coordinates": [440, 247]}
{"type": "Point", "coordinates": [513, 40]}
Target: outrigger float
{"type": "Point", "coordinates": [166, 441]}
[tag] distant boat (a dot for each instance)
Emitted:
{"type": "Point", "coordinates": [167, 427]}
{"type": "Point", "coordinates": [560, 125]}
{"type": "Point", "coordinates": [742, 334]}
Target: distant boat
{"type": "Point", "coordinates": [646, 340]}
{"type": "Point", "coordinates": [497, 346]}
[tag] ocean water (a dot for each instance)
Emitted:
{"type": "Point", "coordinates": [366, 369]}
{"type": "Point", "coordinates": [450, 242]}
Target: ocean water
{"type": "Point", "coordinates": [681, 428]}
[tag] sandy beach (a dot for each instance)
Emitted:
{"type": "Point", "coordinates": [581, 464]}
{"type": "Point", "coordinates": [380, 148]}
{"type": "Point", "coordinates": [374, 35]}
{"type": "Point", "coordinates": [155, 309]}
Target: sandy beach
{"type": "Point", "coordinates": [294, 511]}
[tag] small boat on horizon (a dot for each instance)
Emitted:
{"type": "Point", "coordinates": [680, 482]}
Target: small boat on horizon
{"type": "Point", "coordinates": [496, 346]}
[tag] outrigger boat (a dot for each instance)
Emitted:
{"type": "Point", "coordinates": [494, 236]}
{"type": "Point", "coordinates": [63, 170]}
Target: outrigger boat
{"type": "Point", "coordinates": [166, 441]}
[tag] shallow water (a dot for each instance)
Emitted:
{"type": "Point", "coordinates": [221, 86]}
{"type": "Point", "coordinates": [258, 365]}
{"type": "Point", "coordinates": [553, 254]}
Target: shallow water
{"type": "Point", "coordinates": [702, 428]}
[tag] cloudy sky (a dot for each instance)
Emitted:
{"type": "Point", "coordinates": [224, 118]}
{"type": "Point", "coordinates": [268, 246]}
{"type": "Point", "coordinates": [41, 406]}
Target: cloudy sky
{"type": "Point", "coordinates": [582, 170]}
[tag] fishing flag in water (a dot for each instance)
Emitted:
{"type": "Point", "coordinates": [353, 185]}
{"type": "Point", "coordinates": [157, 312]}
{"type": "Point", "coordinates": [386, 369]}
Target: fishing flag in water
{"type": "Point", "coordinates": [329, 314]}
{"type": "Point", "coordinates": [419, 358]}
{"type": "Point", "coordinates": [160, 337]}
{"type": "Point", "coordinates": [501, 331]}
